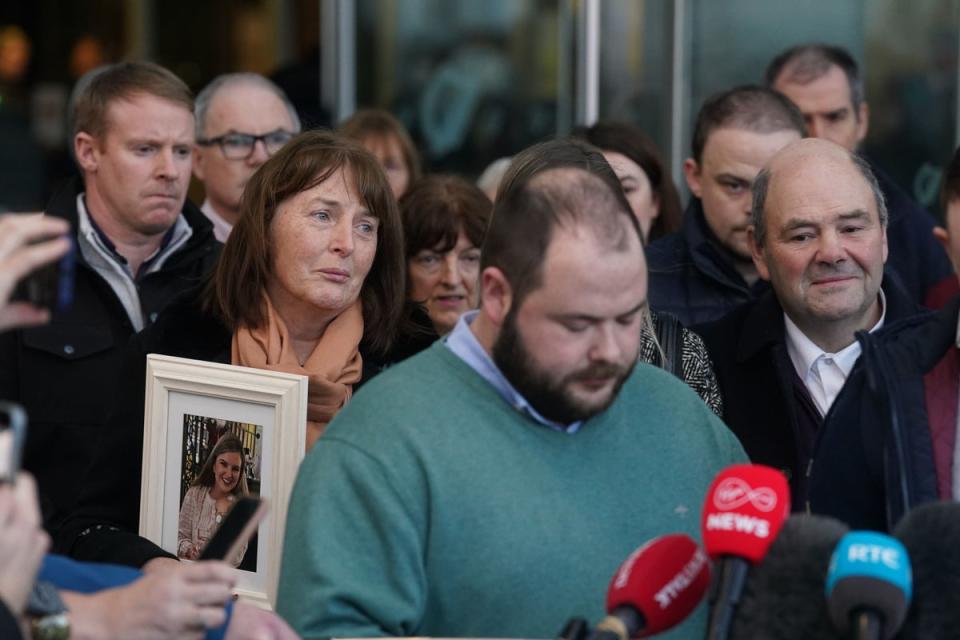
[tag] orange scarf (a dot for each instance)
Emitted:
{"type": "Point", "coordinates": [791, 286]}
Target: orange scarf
{"type": "Point", "coordinates": [333, 367]}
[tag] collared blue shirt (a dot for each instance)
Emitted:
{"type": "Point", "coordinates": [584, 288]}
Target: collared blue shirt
{"type": "Point", "coordinates": [465, 346]}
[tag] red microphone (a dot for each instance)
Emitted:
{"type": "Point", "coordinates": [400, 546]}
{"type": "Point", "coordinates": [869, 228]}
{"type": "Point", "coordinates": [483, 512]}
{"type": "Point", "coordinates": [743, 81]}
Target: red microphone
{"type": "Point", "coordinates": [655, 589]}
{"type": "Point", "coordinates": [746, 506]}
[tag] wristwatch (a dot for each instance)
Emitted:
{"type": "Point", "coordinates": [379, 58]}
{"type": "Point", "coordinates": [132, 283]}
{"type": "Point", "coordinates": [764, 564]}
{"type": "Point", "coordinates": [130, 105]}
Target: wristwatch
{"type": "Point", "coordinates": [49, 617]}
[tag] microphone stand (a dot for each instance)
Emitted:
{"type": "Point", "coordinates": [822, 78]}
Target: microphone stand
{"type": "Point", "coordinates": [729, 584]}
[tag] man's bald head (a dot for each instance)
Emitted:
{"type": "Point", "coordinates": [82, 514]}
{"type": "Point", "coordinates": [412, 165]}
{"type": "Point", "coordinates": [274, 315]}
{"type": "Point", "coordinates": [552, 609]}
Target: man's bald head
{"type": "Point", "coordinates": [790, 164]}
{"type": "Point", "coordinates": [820, 240]}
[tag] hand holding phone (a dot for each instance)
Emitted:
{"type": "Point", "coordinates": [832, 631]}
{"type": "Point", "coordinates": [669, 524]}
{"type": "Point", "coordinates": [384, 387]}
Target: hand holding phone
{"type": "Point", "coordinates": [27, 243]}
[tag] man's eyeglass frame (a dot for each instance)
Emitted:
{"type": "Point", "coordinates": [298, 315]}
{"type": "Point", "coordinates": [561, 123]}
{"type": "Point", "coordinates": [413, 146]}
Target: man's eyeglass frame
{"type": "Point", "coordinates": [250, 139]}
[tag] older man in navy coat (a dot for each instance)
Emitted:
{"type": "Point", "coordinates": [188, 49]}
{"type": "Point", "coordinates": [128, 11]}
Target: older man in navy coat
{"type": "Point", "coordinates": [818, 235]}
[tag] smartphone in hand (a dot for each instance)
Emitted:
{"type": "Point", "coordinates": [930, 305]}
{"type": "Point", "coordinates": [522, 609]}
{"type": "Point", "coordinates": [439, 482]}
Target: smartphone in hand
{"type": "Point", "coordinates": [235, 530]}
{"type": "Point", "coordinates": [51, 286]}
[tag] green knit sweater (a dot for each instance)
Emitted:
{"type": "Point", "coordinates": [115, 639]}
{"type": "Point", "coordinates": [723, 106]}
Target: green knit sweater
{"type": "Point", "coordinates": [431, 507]}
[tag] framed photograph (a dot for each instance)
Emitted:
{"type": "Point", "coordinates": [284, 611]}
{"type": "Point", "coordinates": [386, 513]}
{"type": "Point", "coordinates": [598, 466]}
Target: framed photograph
{"type": "Point", "coordinates": [213, 433]}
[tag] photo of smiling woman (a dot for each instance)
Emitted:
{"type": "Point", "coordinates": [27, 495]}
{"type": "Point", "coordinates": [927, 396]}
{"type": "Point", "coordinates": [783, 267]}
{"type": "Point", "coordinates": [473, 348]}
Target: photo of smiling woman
{"type": "Point", "coordinates": [221, 480]}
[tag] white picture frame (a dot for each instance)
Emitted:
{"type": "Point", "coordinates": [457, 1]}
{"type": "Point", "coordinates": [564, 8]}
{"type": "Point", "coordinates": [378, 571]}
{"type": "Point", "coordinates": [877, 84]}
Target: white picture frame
{"type": "Point", "coordinates": [178, 388]}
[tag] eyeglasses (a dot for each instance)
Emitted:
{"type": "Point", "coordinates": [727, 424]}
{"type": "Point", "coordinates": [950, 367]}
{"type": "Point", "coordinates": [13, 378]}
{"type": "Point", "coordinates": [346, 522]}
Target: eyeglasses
{"type": "Point", "coordinates": [239, 146]}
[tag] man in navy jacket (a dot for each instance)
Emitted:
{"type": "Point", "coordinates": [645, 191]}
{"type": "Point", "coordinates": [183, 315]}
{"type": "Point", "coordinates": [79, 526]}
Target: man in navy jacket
{"type": "Point", "coordinates": [704, 270]}
{"type": "Point", "coordinates": [818, 235]}
{"type": "Point", "coordinates": [891, 441]}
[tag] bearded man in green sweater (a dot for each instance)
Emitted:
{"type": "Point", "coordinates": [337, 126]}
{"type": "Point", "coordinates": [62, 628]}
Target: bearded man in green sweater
{"type": "Point", "coordinates": [491, 485]}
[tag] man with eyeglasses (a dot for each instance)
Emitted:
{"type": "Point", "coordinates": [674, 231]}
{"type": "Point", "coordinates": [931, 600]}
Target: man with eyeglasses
{"type": "Point", "coordinates": [242, 119]}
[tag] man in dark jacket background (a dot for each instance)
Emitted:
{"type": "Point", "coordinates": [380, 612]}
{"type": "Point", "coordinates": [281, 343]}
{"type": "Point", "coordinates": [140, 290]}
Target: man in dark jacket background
{"type": "Point", "coordinates": [138, 244]}
{"type": "Point", "coordinates": [825, 83]}
{"type": "Point", "coordinates": [818, 236]}
{"type": "Point", "coordinates": [703, 271]}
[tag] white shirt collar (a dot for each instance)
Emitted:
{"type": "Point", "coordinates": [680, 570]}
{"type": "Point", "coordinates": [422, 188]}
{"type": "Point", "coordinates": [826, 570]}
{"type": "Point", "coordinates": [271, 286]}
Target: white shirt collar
{"type": "Point", "coordinates": [221, 228]}
{"type": "Point", "coordinates": [804, 353]}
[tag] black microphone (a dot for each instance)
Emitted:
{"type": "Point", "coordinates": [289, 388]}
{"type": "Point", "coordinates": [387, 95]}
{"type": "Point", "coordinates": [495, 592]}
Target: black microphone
{"type": "Point", "coordinates": [783, 596]}
{"type": "Point", "coordinates": [931, 533]}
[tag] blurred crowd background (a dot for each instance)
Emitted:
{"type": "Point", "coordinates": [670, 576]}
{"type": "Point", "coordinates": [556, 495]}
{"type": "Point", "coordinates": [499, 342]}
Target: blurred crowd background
{"type": "Point", "coordinates": [475, 81]}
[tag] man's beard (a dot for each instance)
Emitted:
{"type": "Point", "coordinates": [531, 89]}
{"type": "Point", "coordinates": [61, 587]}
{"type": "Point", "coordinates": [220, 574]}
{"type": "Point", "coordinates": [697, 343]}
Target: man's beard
{"type": "Point", "coordinates": [545, 393]}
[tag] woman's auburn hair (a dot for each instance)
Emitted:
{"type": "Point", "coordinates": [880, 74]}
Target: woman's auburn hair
{"type": "Point", "coordinates": [236, 291]}
{"type": "Point", "coordinates": [228, 443]}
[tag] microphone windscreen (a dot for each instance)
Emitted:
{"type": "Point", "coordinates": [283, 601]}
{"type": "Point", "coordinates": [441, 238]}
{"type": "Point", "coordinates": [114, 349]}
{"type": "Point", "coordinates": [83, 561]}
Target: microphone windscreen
{"type": "Point", "coordinates": [783, 597]}
{"type": "Point", "coordinates": [869, 572]}
{"type": "Point", "coordinates": [745, 507]}
{"type": "Point", "coordinates": [664, 580]}
{"type": "Point", "coordinates": [931, 534]}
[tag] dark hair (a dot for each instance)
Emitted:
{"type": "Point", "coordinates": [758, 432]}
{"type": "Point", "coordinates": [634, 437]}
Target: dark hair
{"type": "Point", "coordinates": [807, 62]}
{"type": "Point", "coordinates": [950, 184]}
{"type": "Point", "coordinates": [636, 145]}
{"type": "Point", "coordinates": [123, 81]}
{"type": "Point", "coordinates": [747, 107]}
{"type": "Point", "coordinates": [436, 208]}
{"type": "Point", "coordinates": [240, 279]}
{"type": "Point", "coordinates": [368, 124]}
{"type": "Point", "coordinates": [228, 443]}
{"type": "Point", "coordinates": [531, 205]}
{"type": "Point", "coordinates": [761, 186]}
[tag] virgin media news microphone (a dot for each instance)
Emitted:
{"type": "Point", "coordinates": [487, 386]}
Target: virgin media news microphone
{"type": "Point", "coordinates": [930, 533]}
{"type": "Point", "coordinates": [869, 585]}
{"type": "Point", "coordinates": [783, 598]}
{"type": "Point", "coordinates": [656, 588]}
{"type": "Point", "coordinates": [746, 506]}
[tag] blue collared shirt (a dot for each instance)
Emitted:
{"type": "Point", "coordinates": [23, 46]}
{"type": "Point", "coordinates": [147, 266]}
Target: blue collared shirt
{"type": "Point", "coordinates": [465, 346]}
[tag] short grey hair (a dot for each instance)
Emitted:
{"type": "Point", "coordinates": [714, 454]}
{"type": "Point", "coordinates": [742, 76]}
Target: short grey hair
{"type": "Point", "coordinates": [202, 102]}
{"type": "Point", "coordinates": [761, 185]}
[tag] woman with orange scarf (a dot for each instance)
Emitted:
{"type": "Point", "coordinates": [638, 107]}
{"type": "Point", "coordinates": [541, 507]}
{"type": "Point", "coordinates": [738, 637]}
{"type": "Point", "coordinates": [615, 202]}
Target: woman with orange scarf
{"type": "Point", "coordinates": [311, 276]}
{"type": "Point", "coordinates": [310, 269]}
